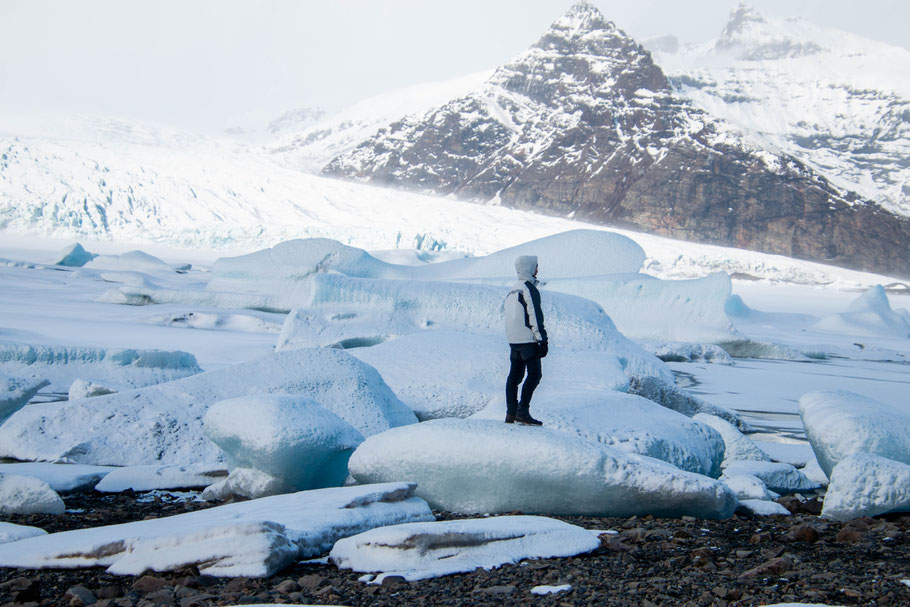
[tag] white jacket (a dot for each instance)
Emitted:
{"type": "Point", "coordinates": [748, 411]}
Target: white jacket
{"type": "Point", "coordinates": [523, 314]}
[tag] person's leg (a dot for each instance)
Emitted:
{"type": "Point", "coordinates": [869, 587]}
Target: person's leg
{"type": "Point", "coordinates": [534, 376]}
{"type": "Point", "coordinates": [523, 415]}
{"type": "Point", "coordinates": [516, 374]}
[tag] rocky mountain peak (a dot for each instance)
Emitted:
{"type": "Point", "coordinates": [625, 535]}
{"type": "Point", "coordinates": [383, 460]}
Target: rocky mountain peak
{"type": "Point", "coordinates": [582, 17]}
{"type": "Point", "coordinates": [582, 57]}
{"type": "Point", "coordinates": [751, 37]}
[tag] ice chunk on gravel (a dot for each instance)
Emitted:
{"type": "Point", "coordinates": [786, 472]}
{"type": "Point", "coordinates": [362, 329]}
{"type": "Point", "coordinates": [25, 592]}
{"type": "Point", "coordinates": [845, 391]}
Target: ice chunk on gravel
{"type": "Point", "coordinates": [10, 532]}
{"type": "Point", "coordinates": [291, 438]}
{"type": "Point", "coordinates": [839, 423]}
{"type": "Point", "coordinates": [60, 477]}
{"type": "Point", "coordinates": [254, 538]}
{"type": "Point", "coordinates": [472, 466]}
{"type": "Point", "coordinates": [780, 478]}
{"type": "Point", "coordinates": [863, 484]}
{"type": "Point", "coordinates": [748, 487]}
{"type": "Point", "coordinates": [737, 446]}
{"type": "Point", "coordinates": [28, 495]}
{"type": "Point", "coordinates": [418, 551]}
{"type": "Point", "coordinates": [629, 423]}
{"type": "Point", "coordinates": [762, 507]}
{"type": "Point", "coordinates": [244, 482]}
{"type": "Point", "coordinates": [163, 424]}
{"type": "Point", "coordinates": [152, 477]}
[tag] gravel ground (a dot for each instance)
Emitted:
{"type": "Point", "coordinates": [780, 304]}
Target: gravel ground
{"type": "Point", "coordinates": [744, 560]}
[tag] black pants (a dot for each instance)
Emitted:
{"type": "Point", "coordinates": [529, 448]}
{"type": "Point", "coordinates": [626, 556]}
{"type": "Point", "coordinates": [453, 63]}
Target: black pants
{"type": "Point", "coordinates": [524, 357]}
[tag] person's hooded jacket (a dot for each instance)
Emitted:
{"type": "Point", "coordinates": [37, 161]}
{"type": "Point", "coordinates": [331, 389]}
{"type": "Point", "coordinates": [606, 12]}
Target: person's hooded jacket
{"type": "Point", "coordinates": [523, 314]}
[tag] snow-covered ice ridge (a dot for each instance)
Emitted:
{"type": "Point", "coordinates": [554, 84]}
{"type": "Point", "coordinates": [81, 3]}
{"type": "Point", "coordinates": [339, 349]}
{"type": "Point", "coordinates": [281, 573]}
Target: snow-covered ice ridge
{"type": "Point", "coordinates": [833, 99]}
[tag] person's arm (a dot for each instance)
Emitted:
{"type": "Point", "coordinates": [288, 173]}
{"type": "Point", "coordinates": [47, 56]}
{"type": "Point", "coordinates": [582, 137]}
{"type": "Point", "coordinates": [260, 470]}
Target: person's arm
{"type": "Point", "coordinates": [535, 313]}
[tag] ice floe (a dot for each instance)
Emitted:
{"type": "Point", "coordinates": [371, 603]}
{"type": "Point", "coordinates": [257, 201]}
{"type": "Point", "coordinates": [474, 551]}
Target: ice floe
{"type": "Point", "coordinates": [10, 532]}
{"type": "Point", "coordinates": [685, 352]}
{"type": "Point", "coordinates": [81, 388]}
{"type": "Point", "coordinates": [291, 438]}
{"type": "Point", "coordinates": [839, 423]}
{"type": "Point", "coordinates": [481, 466]}
{"type": "Point", "coordinates": [163, 423]}
{"type": "Point", "coordinates": [28, 495]}
{"type": "Point", "coordinates": [148, 478]}
{"type": "Point", "coordinates": [62, 365]}
{"type": "Point", "coordinates": [667, 394]}
{"type": "Point", "coordinates": [254, 538]}
{"type": "Point", "coordinates": [863, 484]}
{"type": "Point", "coordinates": [60, 477]}
{"type": "Point", "coordinates": [138, 261]}
{"type": "Point", "coordinates": [418, 551]}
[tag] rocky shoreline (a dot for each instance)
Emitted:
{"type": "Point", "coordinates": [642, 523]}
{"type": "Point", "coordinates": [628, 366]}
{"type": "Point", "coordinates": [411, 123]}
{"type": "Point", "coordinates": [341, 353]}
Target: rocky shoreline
{"type": "Point", "coordinates": [744, 560]}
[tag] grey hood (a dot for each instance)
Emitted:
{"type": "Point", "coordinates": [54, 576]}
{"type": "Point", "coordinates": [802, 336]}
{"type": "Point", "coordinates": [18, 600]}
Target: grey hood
{"type": "Point", "coordinates": [525, 266]}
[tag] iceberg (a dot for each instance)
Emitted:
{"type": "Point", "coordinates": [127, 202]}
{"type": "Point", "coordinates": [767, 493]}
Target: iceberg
{"type": "Point", "coordinates": [150, 478]}
{"type": "Point", "coordinates": [646, 308]}
{"type": "Point", "coordinates": [74, 256]}
{"type": "Point", "coordinates": [291, 438]}
{"type": "Point", "coordinates": [863, 484]}
{"type": "Point", "coordinates": [869, 314]}
{"type": "Point", "coordinates": [480, 466]}
{"type": "Point", "coordinates": [254, 538]}
{"type": "Point", "coordinates": [86, 389]}
{"type": "Point", "coordinates": [162, 424]}
{"type": "Point", "coordinates": [417, 551]}
{"type": "Point", "coordinates": [668, 394]}
{"type": "Point", "coordinates": [839, 423]}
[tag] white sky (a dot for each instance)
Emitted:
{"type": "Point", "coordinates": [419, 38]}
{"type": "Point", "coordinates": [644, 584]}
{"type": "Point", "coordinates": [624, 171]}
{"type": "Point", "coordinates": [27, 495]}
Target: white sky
{"type": "Point", "coordinates": [207, 64]}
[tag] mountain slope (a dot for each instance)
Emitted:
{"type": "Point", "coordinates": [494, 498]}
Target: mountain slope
{"type": "Point", "coordinates": [837, 101]}
{"type": "Point", "coordinates": [585, 125]}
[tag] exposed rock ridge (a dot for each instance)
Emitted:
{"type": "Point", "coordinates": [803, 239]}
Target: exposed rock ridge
{"type": "Point", "coordinates": [584, 124]}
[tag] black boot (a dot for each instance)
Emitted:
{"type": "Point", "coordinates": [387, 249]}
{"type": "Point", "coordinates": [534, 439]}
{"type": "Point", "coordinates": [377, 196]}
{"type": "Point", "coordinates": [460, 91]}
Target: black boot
{"type": "Point", "coordinates": [524, 417]}
{"type": "Point", "coordinates": [510, 413]}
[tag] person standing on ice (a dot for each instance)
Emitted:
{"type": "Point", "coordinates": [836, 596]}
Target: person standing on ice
{"type": "Point", "coordinates": [527, 340]}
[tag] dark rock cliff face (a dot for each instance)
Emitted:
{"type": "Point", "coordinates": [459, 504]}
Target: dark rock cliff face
{"type": "Point", "coordinates": [585, 125]}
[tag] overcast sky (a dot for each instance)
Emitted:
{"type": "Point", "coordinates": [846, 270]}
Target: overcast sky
{"type": "Point", "coordinates": [207, 64]}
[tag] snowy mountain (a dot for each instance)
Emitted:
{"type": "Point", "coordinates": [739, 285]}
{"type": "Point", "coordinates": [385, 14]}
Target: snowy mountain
{"type": "Point", "coordinates": [585, 125]}
{"type": "Point", "coordinates": [309, 140]}
{"type": "Point", "coordinates": [837, 101]}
